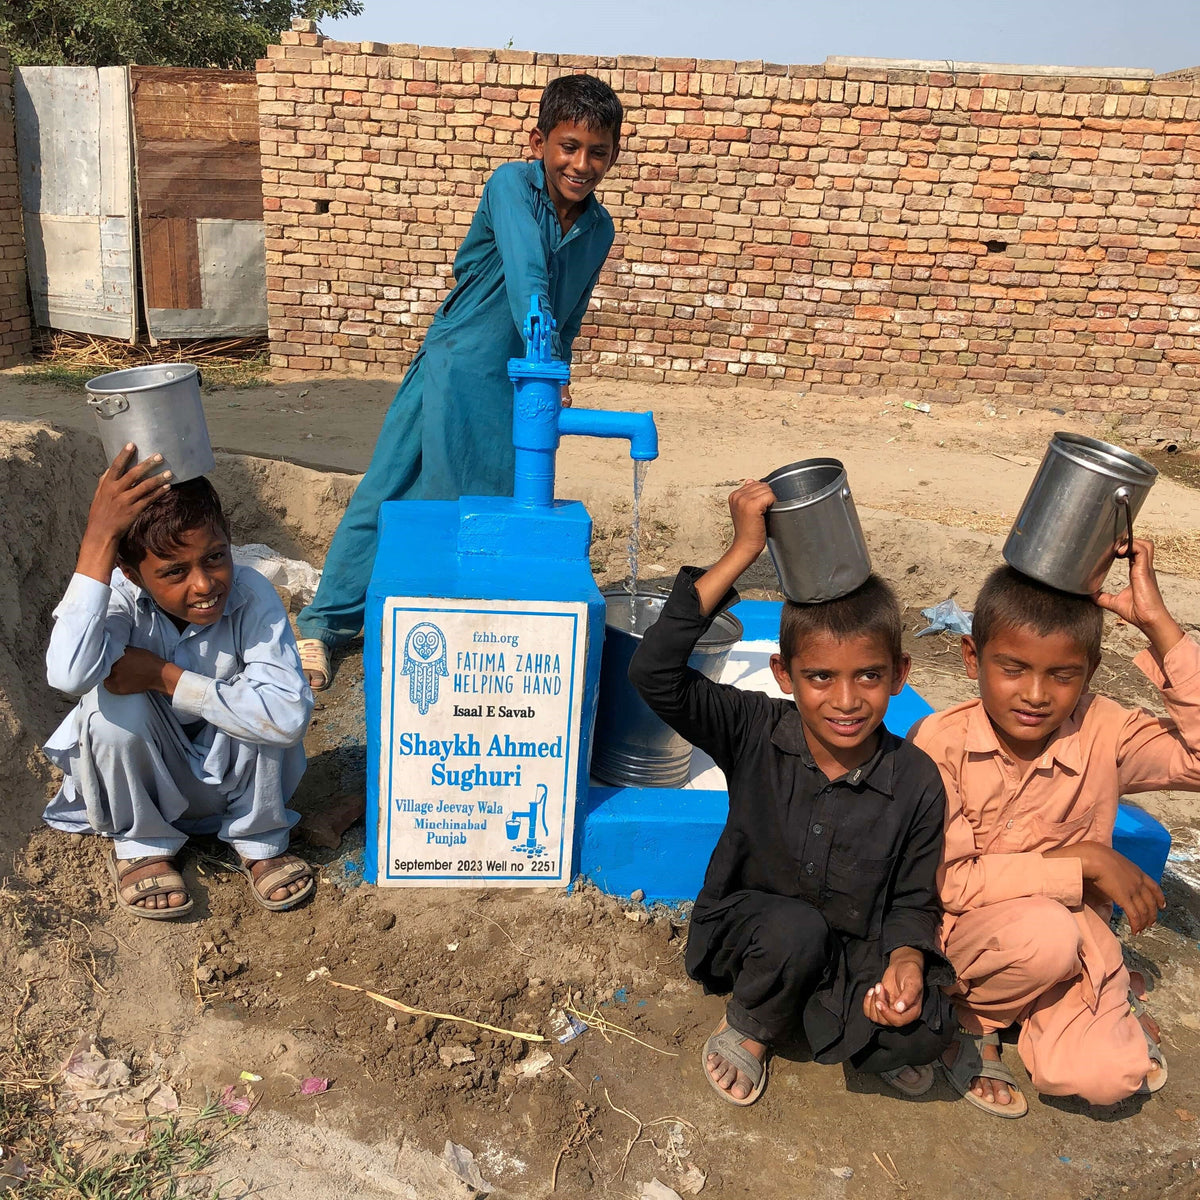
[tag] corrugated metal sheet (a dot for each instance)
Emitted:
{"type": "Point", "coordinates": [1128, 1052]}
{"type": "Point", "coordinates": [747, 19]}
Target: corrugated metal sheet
{"type": "Point", "coordinates": [74, 158]}
{"type": "Point", "coordinates": [199, 201]}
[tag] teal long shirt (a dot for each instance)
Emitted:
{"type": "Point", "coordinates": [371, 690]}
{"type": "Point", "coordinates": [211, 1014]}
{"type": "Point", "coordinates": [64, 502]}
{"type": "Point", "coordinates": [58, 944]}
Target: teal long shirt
{"type": "Point", "coordinates": [448, 432]}
{"type": "Point", "coordinates": [456, 438]}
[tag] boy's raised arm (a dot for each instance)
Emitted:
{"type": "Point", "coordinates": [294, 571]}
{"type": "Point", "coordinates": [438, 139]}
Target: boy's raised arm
{"type": "Point", "coordinates": [1154, 753]}
{"type": "Point", "coordinates": [91, 628]}
{"type": "Point", "coordinates": [710, 715]}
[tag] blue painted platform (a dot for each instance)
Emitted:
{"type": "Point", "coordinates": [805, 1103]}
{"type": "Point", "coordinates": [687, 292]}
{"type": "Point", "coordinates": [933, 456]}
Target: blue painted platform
{"type": "Point", "coordinates": [659, 840]}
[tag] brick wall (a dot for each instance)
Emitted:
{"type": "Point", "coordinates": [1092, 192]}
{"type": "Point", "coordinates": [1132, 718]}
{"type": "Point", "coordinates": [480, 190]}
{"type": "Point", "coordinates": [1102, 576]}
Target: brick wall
{"type": "Point", "coordinates": [14, 301]}
{"type": "Point", "coordinates": [831, 228]}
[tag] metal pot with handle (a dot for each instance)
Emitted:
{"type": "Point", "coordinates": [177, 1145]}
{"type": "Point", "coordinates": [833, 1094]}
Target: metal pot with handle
{"type": "Point", "coordinates": [1079, 510]}
{"type": "Point", "coordinates": [157, 408]}
{"type": "Point", "coordinates": [813, 532]}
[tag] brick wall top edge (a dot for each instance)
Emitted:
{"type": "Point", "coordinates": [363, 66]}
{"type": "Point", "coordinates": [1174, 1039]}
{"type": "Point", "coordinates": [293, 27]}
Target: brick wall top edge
{"type": "Point", "coordinates": [893, 71]}
{"type": "Point", "coordinates": [950, 66]}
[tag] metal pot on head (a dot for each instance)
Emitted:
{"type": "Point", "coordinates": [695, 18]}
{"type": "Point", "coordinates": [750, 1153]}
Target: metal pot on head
{"type": "Point", "coordinates": [1078, 512]}
{"type": "Point", "coordinates": [157, 408]}
{"type": "Point", "coordinates": [813, 532]}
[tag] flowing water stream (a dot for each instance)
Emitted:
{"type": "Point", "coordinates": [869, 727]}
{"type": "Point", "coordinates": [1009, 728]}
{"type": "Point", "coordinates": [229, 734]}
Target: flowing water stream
{"type": "Point", "coordinates": [635, 527]}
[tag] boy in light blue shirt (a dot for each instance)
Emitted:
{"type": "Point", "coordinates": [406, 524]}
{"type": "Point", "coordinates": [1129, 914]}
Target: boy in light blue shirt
{"type": "Point", "coordinates": [538, 230]}
{"type": "Point", "coordinates": [193, 703]}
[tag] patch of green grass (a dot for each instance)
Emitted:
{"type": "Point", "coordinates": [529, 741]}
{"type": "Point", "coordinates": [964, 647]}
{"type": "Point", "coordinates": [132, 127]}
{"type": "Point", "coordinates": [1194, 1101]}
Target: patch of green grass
{"type": "Point", "coordinates": [235, 373]}
{"type": "Point", "coordinates": [49, 372]}
{"type": "Point", "coordinates": [215, 376]}
{"type": "Point", "coordinates": [165, 1168]}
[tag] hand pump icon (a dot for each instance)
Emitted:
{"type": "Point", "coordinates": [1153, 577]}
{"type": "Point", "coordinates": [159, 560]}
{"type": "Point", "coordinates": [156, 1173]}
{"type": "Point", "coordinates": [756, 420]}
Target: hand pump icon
{"type": "Point", "coordinates": [512, 826]}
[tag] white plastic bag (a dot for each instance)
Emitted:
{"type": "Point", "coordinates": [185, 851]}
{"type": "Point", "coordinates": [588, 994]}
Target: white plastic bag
{"type": "Point", "coordinates": [298, 577]}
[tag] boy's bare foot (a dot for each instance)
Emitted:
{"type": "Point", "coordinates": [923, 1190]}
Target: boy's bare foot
{"type": "Point", "coordinates": [149, 886]}
{"type": "Point", "coordinates": [279, 883]}
{"type": "Point", "coordinates": [726, 1075]}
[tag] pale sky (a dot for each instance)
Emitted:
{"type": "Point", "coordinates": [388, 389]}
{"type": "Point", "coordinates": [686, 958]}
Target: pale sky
{"type": "Point", "coordinates": [1161, 34]}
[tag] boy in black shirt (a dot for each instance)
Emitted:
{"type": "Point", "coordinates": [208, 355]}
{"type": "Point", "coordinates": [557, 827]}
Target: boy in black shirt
{"type": "Point", "coordinates": [819, 909]}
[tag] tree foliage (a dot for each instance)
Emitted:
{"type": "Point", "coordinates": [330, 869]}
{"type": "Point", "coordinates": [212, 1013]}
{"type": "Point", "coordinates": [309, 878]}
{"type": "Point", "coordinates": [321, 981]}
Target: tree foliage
{"type": "Point", "coordinates": [169, 33]}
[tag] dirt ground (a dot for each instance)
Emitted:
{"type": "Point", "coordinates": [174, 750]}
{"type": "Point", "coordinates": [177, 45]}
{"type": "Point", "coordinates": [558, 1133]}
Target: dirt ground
{"type": "Point", "coordinates": [235, 989]}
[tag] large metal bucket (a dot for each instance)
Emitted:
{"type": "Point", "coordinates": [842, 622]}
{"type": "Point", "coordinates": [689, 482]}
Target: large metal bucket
{"type": "Point", "coordinates": [158, 409]}
{"type": "Point", "coordinates": [813, 534]}
{"type": "Point", "coordinates": [1079, 508]}
{"type": "Point", "coordinates": [632, 747]}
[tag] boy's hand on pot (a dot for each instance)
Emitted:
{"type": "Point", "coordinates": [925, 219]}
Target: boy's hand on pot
{"type": "Point", "coordinates": [1141, 603]}
{"type": "Point", "coordinates": [748, 507]}
{"type": "Point", "coordinates": [123, 491]}
{"type": "Point", "coordinates": [1114, 878]}
{"type": "Point", "coordinates": [139, 670]}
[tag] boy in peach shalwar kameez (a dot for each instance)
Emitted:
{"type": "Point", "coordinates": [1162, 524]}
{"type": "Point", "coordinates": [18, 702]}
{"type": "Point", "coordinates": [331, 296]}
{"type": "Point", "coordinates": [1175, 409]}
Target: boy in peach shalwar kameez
{"type": "Point", "coordinates": [1033, 773]}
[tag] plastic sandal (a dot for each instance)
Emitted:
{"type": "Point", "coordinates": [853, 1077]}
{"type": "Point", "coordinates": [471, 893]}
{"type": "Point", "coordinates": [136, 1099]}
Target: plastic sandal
{"type": "Point", "coordinates": [289, 868]}
{"type": "Point", "coordinates": [314, 661]}
{"type": "Point", "coordinates": [1153, 1049]}
{"type": "Point", "coordinates": [916, 1088]}
{"type": "Point", "coordinates": [970, 1065]}
{"type": "Point", "coordinates": [727, 1043]}
{"type": "Point", "coordinates": [162, 883]}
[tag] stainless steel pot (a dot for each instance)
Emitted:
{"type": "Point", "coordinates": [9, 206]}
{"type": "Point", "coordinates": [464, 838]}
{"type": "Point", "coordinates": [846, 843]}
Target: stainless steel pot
{"type": "Point", "coordinates": [158, 409]}
{"type": "Point", "coordinates": [813, 533]}
{"type": "Point", "coordinates": [1079, 509]}
{"type": "Point", "coordinates": [632, 747]}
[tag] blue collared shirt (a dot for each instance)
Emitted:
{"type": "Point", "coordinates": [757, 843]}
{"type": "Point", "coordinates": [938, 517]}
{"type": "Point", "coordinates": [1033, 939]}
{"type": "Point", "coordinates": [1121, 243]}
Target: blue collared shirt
{"type": "Point", "coordinates": [242, 675]}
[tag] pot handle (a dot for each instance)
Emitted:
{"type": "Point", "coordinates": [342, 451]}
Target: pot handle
{"type": "Point", "coordinates": [107, 407]}
{"type": "Point", "coordinates": [1122, 496]}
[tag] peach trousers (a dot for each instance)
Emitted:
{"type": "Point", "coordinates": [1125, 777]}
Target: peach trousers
{"type": "Point", "coordinates": [1059, 972]}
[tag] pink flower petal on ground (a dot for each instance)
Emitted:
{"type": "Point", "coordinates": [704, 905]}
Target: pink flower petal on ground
{"type": "Point", "coordinates": [313, 1086]}
{"type": "Point", "coordinates": [239, 1106]}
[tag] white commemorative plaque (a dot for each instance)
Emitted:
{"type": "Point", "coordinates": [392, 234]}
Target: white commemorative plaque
{"type": "Point", "coordinates": [479, 744]}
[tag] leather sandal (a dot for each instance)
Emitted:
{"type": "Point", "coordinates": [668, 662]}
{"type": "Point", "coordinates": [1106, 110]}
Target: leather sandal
{"type": "Point", "coordinates": [288, 868]}
{"type": "Point", "coordinates": [727, 1043]}
{"type": "Point", "coordinates": [314, 662]}
{"type": "Point", "coordinates": [970, 1065]}
{"type": "Point", "coordinates": [1137, 1008]}
{"type": "Point", "coordinates": [161, 883]}
{"type": "Point", "coordinates": [916, 1087]}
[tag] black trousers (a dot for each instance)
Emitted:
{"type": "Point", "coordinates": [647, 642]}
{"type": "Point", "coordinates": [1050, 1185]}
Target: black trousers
{"type": "Point", "coordinates": [778, 951]}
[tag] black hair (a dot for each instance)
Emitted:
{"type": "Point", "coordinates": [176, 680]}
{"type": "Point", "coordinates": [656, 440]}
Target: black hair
{"type": "Point", "coordinates": [1010, 600]}
{"type": "Point", "coordinates": [580, 100]}
{"type": "Point", "coordinates": [870, 610]}
{"type": "Point", "coordinates": [161, 527]}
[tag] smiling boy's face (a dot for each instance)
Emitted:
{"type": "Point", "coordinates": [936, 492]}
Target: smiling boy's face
{"type": "Point", "coordinates": [191, 584]}
{"type": "Point", "coordinates": [576, 159]}
{"type": "Point", "coordinates": [841, 687]}
{"type": "Point", "coordinates": [1029, 684]}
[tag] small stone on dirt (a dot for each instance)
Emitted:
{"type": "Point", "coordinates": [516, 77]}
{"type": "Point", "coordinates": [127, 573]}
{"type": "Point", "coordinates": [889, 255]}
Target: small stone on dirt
{"type": "Point", "coordinates": [637, 895]}
{"type": "Point", "coordinates": [454, 1056]}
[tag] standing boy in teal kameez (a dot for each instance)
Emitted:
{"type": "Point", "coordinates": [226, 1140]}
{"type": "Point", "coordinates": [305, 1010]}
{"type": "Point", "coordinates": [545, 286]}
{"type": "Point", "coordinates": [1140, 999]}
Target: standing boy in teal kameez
{"type": "Point", "coordinates": [538, 229]}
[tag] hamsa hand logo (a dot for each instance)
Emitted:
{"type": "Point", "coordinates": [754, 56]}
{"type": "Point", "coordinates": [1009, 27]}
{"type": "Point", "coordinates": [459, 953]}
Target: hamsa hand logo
{"type": "Point", "coordinates": [424, 663]}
